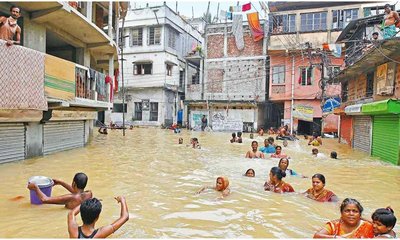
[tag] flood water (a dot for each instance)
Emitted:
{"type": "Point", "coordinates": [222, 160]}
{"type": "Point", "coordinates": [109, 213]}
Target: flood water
{"type": "Point", "coordinates": [159, 179]}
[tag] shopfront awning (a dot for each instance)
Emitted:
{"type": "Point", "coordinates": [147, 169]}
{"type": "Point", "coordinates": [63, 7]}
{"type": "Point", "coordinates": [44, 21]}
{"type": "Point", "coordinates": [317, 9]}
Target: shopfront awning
{"type": "Point", "coordinates": [353, 109]}
{"type": "Point", "coordinates": [339, 111]}
{"type": "Point", "coordinates": [389, 106]}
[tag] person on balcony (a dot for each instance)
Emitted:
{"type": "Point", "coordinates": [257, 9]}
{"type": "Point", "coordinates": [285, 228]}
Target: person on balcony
{"type": "Point", "coordinates": [9, 27]}
{"type": "Point", "coordinates": [391, 19]}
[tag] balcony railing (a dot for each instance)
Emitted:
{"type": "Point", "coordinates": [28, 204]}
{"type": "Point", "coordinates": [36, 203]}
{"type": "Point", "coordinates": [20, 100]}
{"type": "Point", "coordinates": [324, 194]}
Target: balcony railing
{"type": "Point", "coordinates": [90, 84]}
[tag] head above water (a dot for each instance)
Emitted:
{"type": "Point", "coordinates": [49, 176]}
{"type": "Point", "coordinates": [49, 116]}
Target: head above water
{"type": "Point", "coordinates": [349, 201]}
{"type": "Point", "coordinates": [315, 151]}
{"type": "Point", "coordinates": [320, 177]}
{"type": "Point", "coordinates": [334, 155]}
{"type": "Point", "coordinates": [385, 216]}
{"type": "Point", "coordinates": [180, 141]}
{"type": "Point", "coordinates": [278, 173]}
{"type": "Point", "coordinates": [250, 173]}
{"type": "Point", "coordinates": [80, 179]}
{"type": "Point", "coordinates": [283, 164]}
{"type": "Point", "coordinates": [90, 210]}
{"type": "Point", "coordinates": [239, 134]}
{"type": "Point", "coordinates": [251, 135]}
{"type": "Point", "coordinates": [222, 183]}
{"type": "Point", "coordinates": [233, 135]}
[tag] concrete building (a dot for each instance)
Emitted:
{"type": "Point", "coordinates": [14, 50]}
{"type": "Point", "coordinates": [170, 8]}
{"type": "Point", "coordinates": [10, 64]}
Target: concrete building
{"type": "Point", "coordinates": [298, 31]}
{"type": "Point", "coordinates": [156, 44]}
{"type": "Point", "coordinates": [369, 114]}
{"type": "Point", "coordinates": [56, 82]}
{"type": "Point", "coordinates": [232, 89]}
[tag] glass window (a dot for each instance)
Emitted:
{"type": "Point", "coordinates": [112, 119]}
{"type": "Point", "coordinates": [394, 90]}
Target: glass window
{"type": "Point", "coordinates": [154, 35]}
{"type": "Point", "coordinates": [370, 84]}
{"type": "Point", "coordinates": [169, 70]}
{"type": "Point", "coordinates": [306, 74]}
{"type": "Point", "coordinates": [138, 111]}
{"type": "Point", "coordinates": [342, 17]}
{"type": "Point", "coordinates": [278, 74]}
{"type": "Point", "coordinates": [283, 23]}
{"type": "Point", "coordinates": [196, 78]}
{"type": "Point", "coordinates": [142, 68]}
{"type": "Point", "coordinates": [313, 21]}
{"type": "Point", "coordinates": [137, 37]}
{"type": "Point", "coordinates": [153, 111]}
{"type": "Point", "coordinates": [181, 78]}
{"type": "Point", "coordinates": [173, 37]}
{"type": "Point", "coordinates": [118, 107]}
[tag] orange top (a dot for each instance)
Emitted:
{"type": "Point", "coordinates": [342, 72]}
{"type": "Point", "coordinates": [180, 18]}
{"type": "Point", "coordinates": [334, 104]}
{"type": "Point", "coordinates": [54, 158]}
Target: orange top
{"type": "Point", "coordinates": [364, 230]}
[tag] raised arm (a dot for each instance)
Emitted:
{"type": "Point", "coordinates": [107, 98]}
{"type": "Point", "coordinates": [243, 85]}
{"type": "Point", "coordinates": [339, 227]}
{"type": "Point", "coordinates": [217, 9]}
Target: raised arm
{"type": "Point", "coordinates": [50, 200]}
{"type": "Point", "coordinates": [71, 221]}
{"type": "Point", "coordinates": [64, 184]}
{"type": "Point", "coordinates": [124, 217]}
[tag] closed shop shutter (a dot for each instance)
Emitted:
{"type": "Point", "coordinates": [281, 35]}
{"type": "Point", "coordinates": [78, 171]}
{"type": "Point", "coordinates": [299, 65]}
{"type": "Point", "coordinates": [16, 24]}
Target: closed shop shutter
{"type": "Point", "coordinates": [12, 142]}
{"type": "Point", "coordinates": [385, 138]}
{"type": "Point", "coordinates": [362, 133]}
{"type": "Point", "coordinates": [346, 129]}
{"type": "Point", "coordinates": [59, 136]}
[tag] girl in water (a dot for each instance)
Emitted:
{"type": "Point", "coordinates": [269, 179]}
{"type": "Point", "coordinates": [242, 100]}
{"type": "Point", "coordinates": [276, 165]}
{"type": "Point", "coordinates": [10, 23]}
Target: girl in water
{"type": "Point", "coordinates": [383, 221]}
{"type": "Point", "coordinates": [221, 185]}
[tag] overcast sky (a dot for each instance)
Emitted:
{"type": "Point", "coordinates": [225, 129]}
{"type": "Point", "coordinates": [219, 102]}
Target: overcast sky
{"type": "Point", "coordinates": [199, 6]}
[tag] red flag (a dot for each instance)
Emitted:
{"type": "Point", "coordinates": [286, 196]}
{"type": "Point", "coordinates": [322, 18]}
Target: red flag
{"type": "Point", "coordinates": [246, 7]}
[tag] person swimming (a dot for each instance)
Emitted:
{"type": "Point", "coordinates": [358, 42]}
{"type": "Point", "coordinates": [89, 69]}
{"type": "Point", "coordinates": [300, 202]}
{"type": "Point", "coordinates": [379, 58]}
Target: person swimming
{"type": "Point", "coordinates": [334, 155]}
{"type": "Point", "coordinates": [221, 185]}
{"type": "Point", "coordinates": [314, 152]}
{"type": "Point", "coordinates": [254, 153]}
{"type": "Point", "coordinates": [239, 137]}
{"type": "Point", "coordinates": [250, 173]}
{"type": "Point", "coordinates": [234, 139]}
{"type": "Point", "coordinates": [180, 141]}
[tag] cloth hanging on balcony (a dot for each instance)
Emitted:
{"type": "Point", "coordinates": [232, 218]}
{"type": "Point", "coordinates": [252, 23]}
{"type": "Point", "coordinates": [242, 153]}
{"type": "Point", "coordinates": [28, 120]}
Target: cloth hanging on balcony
{"type": "Point", "coordinates": [101, 86]}
{"type": "Point", "coordinates": [21, 78]}
{"type": "Point", "coordinates": [246, 7]}
{"type": "Point", "coordinates": [254, 23]}
{"type": "Point", "coordinates": [116, 74]}
{"type": "Point", "coordinates": [237, 29]}
{"type": "Point", "coordinates": [59, 81]}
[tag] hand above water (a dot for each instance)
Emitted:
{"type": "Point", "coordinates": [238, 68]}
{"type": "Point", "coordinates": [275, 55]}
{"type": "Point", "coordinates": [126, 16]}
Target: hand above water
{"type": "Point", "coordinates": [120, 199]}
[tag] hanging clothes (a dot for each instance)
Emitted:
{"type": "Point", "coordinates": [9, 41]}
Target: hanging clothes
{"type": "Point", "coordinates": [246, 7]}
{"type": "Point", "coordinates": [237, 29]}
{"type": "Point", "coordinates": [255, 27]}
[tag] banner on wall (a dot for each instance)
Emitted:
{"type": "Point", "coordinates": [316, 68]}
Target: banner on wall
{"type": "Point", "coordinates": [303, 112]}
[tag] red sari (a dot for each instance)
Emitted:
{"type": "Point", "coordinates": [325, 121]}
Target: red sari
{"type": "Point", "coordinates": [364, 230]}
{"type": "Point", "coordinates": [282, 187]}
{"type": "Point", "coordinates": [324, 196]}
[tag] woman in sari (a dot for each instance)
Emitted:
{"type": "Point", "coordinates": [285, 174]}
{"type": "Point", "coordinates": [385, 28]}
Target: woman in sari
{"type": "Point", "coordinates": [284, 164]}
{"type": "Point", "coordinates": [350, 224]}
{"type": "Point", "coordinates": [275, 183]}
{"type": "Point", "coordinates": [318, 192]}
{"type": "Point", "coordinates": [221, 185]}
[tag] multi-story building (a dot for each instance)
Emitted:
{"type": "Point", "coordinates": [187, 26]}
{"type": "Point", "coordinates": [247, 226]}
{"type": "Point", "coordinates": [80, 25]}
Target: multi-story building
{"type": "Point", "coordinates": [231, 92]}
{"type": "Point", "coordinates": [53, 85]}
{"type": "Point", "coordinates": [156, 44]}
{"type": "Point", "coordinates": [299, 66]}
{"type": "Point", "coordinates": [369, 114]}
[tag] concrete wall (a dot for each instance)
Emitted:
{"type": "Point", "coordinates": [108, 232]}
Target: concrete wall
{"type": "Point", "coordinates": [34, 35]}
{"type": "Point", "coordinates": [34, 139]}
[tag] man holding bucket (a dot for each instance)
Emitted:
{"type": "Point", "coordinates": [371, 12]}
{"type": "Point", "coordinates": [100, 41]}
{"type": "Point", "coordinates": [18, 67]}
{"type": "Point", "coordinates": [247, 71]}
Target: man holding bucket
{"type": "Point", "coordinates": [75, 198]}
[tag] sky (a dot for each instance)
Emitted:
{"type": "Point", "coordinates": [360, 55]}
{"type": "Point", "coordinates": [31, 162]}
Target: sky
{"type": "Point", "coordinates": [199, 6]}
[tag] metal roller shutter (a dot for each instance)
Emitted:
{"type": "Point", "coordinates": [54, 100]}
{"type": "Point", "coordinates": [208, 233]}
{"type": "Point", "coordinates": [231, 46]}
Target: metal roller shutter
{"type": "Point", "coordinates": [385, 138]}
{"type": "Point", "coordinates": [60, 136]}
{"type": "Point", "coordinates": [362, 133]}
{"type": "Point", "coordinates": [12, 142]}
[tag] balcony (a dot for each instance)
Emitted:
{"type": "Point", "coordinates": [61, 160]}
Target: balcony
{"type": "Point", "coordinates": [32, 80]}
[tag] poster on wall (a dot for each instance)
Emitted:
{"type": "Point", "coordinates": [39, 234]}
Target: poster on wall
{"type": "Point", "coordinates": [195, 119]}
{"type": "Point", "coordinates": [304, 113]}
{"type": "Point", "coordinates": [385, 75]}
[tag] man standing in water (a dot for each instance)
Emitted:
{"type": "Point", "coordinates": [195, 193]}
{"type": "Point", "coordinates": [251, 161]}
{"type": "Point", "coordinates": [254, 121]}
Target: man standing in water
{"type": "Point", "coordinates": [254, 153]}
{"type": "Point", "coordinates": [9, 27]}
{"type": "Point", "coordinates": [204, 123]}
{"type": "Point", "coordinates": [391, 19]}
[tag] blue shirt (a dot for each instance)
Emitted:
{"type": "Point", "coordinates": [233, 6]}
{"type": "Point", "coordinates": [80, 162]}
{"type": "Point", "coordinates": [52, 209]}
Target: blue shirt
{"type": "Point", "coordinates": [269, 149]}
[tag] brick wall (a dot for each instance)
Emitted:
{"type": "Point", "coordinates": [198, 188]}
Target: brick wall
{"type": "Point", "coordinates": [215, 46]}
{"type": "Point", "coordinates": [251, 48]}
{"type": "Point", "coordinates": [215, 80]}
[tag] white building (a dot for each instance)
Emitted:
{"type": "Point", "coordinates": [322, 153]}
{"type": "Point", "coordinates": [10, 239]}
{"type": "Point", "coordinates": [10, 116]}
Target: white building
{"type": "Point", "coordinates": [157, 40]}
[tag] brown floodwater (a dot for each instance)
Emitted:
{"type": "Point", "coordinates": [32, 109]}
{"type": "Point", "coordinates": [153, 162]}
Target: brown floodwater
{"type": "Point", "coordinates": [159, 179]}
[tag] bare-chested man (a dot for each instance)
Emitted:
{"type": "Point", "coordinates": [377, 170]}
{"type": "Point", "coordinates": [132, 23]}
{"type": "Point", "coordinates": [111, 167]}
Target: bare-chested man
{"type": "Point", "coordinates": [391, 19]}
{"type": "Point", "coordinates": [254, 153]}
{"type": "Point", "coordinates": [9, 27]}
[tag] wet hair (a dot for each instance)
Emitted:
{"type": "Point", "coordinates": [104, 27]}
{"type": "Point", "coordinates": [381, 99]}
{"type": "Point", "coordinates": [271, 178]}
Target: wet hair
{"type": "Point", "coordinates": [320, 177]}
{"type": "Point", "coordinates": [385, 216]}
{"type": "Point", "coordinates": [90, 210]}
{"type": "Point", "coordinates": [233, 134]}
{"type": "Point", "coordinates": [80, 180]}
{"type": "Point", "coordinates": [375, 33]}
{"type": "Point", "coordinates": [348, 201]}
{"type": "Point", "coordinates": [250, 169]}
{"type": "Point", "coordinates": [239, 134]}
{"type": "Point", "coordinates": [334, 154]}
{"type": "Point", "coordinates": [276, 171]}
{"type": "Point", "coordinates": [280, 160]}
{"type": "Point", "coordinates": [13, 6]}
{"type": "Point", "coordinates": [314, 150]}
{"type": "Point", "coordinates": [278, 147]}
{"type": "Point", "coordinates": [254, 142]}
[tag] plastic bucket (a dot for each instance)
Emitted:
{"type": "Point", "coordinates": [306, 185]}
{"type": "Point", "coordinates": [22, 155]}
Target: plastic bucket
{"type": "Point", "coordinates": [44, 183]}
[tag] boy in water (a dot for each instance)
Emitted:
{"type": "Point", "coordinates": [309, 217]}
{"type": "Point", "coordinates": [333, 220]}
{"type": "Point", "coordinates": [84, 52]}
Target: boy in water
{"type": "Point", "coordinates": [383, 221]}
{"type": "Point", "coordinates": [334, 155]}
{"type": "Point", "coordinates": [75, 198]}
{"type": "Point", "coordinates": [90, 211]}
{"type": "Point", "coordinates": [239, 137]}
{"type": "Point", "coordinates": [315, 152]}
{"type": "Point", "coordinates": [234, 139]}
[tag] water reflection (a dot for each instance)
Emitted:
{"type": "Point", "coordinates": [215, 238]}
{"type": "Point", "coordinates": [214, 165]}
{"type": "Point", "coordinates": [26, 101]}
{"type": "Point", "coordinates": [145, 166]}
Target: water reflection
{"type": "Point", "coordinates": [159, 179]}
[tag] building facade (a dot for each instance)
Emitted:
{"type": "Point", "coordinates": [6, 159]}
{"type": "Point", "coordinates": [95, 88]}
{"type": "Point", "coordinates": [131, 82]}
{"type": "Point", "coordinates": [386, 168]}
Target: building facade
{"type": "Point", "coordinates": [157, 40]}
{"type": "Point", "coordinates": [56, 82]}
{"type": "Point", "coordinates": [301, 68]}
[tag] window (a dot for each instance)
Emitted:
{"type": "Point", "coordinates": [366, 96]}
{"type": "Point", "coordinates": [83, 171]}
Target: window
{"type": "Point", "coordinates": [181, 78]}
{"type": "Point", "coordinates": [137, 37]}
{"type": "Point", "coordinates": [142, 68]}
{"type": "Point", "coordinates": [196, 78]}
{"type": "Point", "coordinates": [313, 21]}
{"type": "Point", "coordinates": [173, 37]}
{"type": "Point", "coordinates": [117, 107]}
{"type": "Point", "coordinates": [342, 17]}
{"type": "Point", "coordinates": [370, 84]}
{"type": "Point", "coordinates": [306, 76]}
{"type": "Point", "coordinates": [278, 74]}
{"type": "Point", "coordinates": [331, 71]}
{"type": "Point", "coordinates": [153, 111]}
{"type": "Point", "coordinates": [138, 111]}
{"type": "Point", "coordinates": [169, 70]}
{"type": "Point", "coordinates": [372, 11]}
{"type": "Point", "coordinates": [283, 23]}
{"type": "Point", "coordinates": [154, 35]}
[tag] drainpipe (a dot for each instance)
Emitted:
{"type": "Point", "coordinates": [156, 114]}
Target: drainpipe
{"type": "Point", "coordinates": [110, 15]}
{"type": "Point", "coordinates": [292, 97]}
